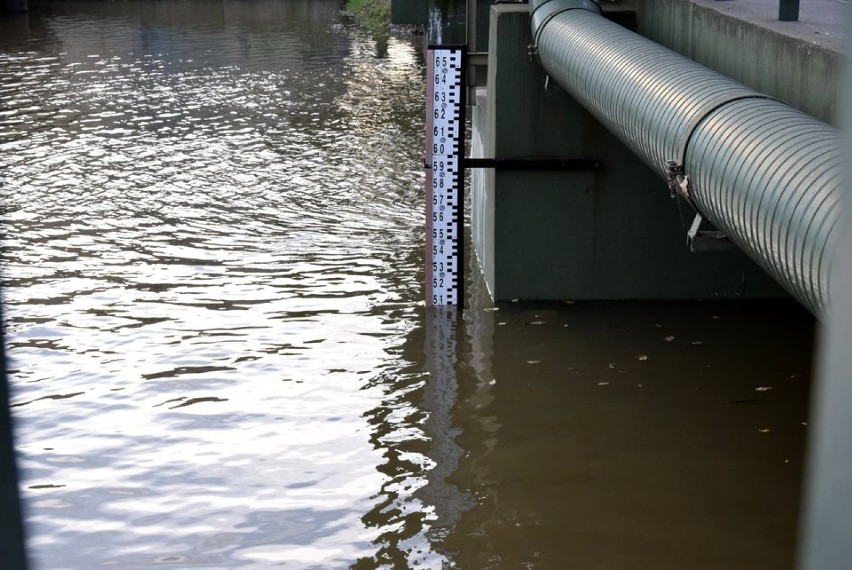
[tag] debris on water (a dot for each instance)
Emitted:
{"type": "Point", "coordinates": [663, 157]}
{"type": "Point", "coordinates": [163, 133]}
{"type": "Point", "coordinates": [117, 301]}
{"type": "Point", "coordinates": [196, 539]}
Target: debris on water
{"type": "Point", "coordinates": [491, 309]}
{"type": "Point", "coordinates": [696, 342]}
{"type": "Point", "coordinates": [669, 338]}
{"type": "Point", "coordinates": [763, 430]}
{"type": "Point", "coordinates": [492, 381]}
{"type": "Point", "coordinates": [716, 317]}
{"type": "Point", "coordinates": [515, 300]}
{"type": "Point", "coordinates": [533, 361]}
{"type": "Point", "coordinates": [804, 423]}
{"type": "Point", "coordinates": [603, 383]}
{"type": "Point", "coordinates": [795, 375]}
{"type": "Point", "coordinates": [763, 388]}
{"type": "Point", "coordinates": [501, 323]}
{"type": "Point", "coordinates": [192, 401]}
{"type": "Point", "coordinates": [642, 357]}
{"type": "Point", "coordinates": [534, 323]}
{"type": "Point", "coordinates": [568, 301]}
{"type": "Point", "coordinates": [612, 365]}
{"type": "Point", "coordinates": [638, 385]}
{"type": "Point", "coordinates": [658, 325]}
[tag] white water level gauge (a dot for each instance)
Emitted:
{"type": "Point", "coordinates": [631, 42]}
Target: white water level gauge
{"type": "Point", "coordinates": [445, 107]}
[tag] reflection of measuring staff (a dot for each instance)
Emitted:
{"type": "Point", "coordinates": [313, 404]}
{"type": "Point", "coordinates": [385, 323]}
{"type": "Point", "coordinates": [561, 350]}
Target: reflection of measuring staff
{"type": "Point", "coordinates": [444, 175]}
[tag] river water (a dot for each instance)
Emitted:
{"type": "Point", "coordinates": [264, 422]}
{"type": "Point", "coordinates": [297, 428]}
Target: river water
{"type": "Point", "coordinates": [220, 358]}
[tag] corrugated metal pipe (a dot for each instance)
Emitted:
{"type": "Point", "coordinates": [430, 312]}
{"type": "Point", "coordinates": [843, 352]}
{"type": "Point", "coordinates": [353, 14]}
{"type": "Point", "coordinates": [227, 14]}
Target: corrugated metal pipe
{"type": "Point", "coordinates": [767, 175]}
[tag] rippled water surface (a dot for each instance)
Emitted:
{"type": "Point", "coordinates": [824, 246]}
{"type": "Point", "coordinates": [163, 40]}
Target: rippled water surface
{"type": "Point", "coordinates": [212, 275]}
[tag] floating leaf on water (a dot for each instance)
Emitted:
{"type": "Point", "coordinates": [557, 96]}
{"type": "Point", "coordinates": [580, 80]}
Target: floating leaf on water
{"type": "Point", "coordinates": [763, 388]}
{"type": "Point", "coordinates": [642, 357]}
{"type": "Point", "coordinates": [669, 338]}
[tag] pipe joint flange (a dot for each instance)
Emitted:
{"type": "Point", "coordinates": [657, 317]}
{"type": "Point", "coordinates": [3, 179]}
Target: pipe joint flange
{"type": "Point", "coordinates": [544, 10]}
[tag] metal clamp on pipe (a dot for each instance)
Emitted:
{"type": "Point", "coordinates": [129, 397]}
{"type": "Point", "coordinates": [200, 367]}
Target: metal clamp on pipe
{"type": "Point", "coordinates": [678, 180]}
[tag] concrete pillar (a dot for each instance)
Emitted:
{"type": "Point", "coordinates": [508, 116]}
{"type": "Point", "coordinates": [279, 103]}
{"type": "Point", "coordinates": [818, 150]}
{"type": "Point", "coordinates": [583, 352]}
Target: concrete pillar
{"type": "Point", "coordinates": [827, 518]}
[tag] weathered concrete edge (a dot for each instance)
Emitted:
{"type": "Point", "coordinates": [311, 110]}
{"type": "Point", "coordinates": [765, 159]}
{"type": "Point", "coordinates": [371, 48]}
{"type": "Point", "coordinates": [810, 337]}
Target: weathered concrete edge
{"type": "Point", "coordinates": [803, 74]}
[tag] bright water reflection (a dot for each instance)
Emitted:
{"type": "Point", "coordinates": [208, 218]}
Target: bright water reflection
{"type": "Point", "coordinates": [213, 223]}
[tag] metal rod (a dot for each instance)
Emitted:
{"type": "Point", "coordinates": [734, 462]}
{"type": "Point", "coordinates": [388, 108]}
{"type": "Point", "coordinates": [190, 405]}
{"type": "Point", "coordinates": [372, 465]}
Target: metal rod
{"type": "Point", "coordinates": [788, 10]}
{"type": "Point", "coordinates": [532, 163]}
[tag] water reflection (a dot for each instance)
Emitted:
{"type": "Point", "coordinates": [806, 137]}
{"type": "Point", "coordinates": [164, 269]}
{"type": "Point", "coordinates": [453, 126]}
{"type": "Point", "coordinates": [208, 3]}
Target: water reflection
{"type": "Point", "coordinates": [211, 257]}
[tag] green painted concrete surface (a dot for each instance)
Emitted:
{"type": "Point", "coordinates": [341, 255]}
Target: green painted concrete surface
{"type": "Point", "coordinates": [409, 12]}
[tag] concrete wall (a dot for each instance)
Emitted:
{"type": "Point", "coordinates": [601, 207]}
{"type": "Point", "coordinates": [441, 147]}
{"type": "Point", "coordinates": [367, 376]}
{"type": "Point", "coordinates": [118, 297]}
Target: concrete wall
{"type": "Point", "coordinates": [613, 233]}
{"type": "Point", "coordinates": [799, 63]}
{"type": "Point", "coordinates": [409, 12]}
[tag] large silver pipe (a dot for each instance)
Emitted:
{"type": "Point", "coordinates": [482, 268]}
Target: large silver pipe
{"type": "Point", "coordinates": [766, 174]}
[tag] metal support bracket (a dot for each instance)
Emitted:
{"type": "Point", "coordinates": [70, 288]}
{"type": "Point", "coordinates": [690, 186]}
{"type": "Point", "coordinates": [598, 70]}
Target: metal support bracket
{"type": "Point", "coordinates": [702, 236]}
{"type": "Point", "coordinates": [532, 51]}
{"type": "Point", "coordinates": [551, 87]}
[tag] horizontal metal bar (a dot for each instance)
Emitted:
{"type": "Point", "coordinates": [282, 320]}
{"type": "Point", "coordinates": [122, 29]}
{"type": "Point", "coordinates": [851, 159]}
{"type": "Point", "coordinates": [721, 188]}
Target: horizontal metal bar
{"type": "Point", "coordinates": [532, 163]}
{"type": "Point", "coordinates": [477, 58]}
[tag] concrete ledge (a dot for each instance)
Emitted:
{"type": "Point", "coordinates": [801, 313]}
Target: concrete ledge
{"type": "Point", "coordinates": [799, 63]}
